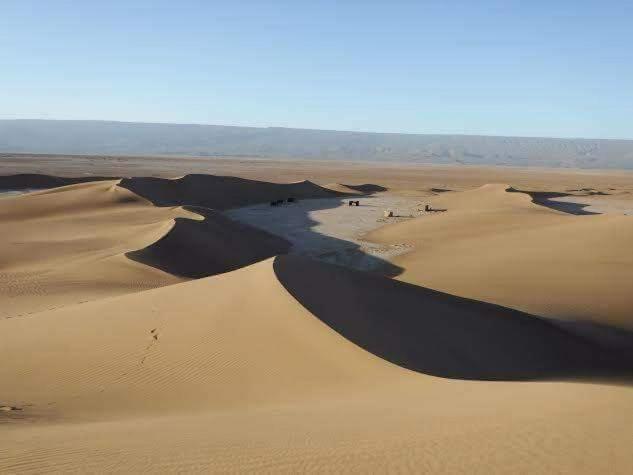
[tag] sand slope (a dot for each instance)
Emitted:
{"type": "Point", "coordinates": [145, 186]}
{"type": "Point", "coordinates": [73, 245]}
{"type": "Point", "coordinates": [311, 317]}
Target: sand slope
{"type": "Point", "coordinates": [68, 245]}
{"type": "Point", "coordinates": [500, 247]}
{"type": "Point", "coordinates": [231, 372]}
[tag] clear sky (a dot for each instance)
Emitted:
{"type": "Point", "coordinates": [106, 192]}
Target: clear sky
{"type": "Point", "coordinates": [535, 68]}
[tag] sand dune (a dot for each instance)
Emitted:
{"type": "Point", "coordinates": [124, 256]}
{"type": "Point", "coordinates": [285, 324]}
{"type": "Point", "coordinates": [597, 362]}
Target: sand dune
{"type": "Point", "coordinates": [68, 245]}
{"type": "Point", "coordinates": [440, 334]}
{"type": "Point", "coordinates": [90, 240]}
{"type": "Point", "coordinates": [113, 360]}
{"type": "Point", "coordinates": [534, 259]}
{"type": "Point", "coordinates": [221, 373]}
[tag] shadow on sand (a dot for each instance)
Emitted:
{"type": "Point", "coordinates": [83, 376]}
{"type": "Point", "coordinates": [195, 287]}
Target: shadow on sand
{"type": "Point", "coordinates": [214, 245]}
{"type": "Point", "coordinates": [444, 335]}
{"type": "Point", "coordinates": [544, 198]}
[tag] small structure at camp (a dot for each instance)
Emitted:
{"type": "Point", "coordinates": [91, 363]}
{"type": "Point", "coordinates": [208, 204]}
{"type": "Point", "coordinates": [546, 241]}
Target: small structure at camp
{"type": "Point", "coordinates": [388, 213]}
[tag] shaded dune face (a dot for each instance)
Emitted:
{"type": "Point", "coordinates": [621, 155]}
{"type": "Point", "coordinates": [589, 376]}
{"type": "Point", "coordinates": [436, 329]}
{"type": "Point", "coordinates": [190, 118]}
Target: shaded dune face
{"type": "Point", "coordinates": [212, 246]}
{"type": "Point", "coordinates": [220, 192]}
{"type": "Point", "coordinates": [440, 334]}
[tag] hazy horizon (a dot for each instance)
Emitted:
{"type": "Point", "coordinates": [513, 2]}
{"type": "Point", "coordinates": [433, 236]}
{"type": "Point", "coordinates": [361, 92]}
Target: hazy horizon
{"type": "Point", "coordinates": [144, 138]}
{"type": "Point", "coordinates": [290, 127]}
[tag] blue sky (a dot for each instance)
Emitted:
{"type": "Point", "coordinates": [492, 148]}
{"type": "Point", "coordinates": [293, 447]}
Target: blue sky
{"type": "Point", "coordinates": [532, 68]}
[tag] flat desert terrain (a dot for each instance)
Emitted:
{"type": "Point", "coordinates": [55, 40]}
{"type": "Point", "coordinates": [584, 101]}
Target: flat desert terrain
{"type": "Point", "coordinates": [159, 314]}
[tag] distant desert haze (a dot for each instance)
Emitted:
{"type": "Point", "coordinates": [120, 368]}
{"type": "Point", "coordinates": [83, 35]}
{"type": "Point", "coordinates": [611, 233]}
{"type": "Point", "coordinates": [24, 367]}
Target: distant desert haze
{"type": "Point", "coordinates": [136, 138]}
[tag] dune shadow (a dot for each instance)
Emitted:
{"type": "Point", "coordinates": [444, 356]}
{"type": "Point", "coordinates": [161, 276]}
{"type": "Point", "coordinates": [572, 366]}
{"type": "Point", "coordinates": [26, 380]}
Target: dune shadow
{"type": "Point", "coordinates": [214, 245]}
{"type": "Point", "coordinates": [545, 198]}
{"type": "Point", "coordinates": [443, 335]}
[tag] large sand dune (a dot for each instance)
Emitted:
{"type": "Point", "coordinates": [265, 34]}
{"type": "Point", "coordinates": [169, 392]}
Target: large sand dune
{"type": "Point", "coordinates": [231, 372]}
{"type": "Point", "coordinates": [67, 245]}
{"type": "Point", "coordinates": [113, 360]}
{"type": "Point", "coordinates": [500, 247]}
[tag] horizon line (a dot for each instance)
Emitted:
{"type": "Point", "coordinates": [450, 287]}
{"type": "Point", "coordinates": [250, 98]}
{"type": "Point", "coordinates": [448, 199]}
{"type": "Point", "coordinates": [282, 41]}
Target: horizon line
{"type": "Point", "coordinates": [316, 129]}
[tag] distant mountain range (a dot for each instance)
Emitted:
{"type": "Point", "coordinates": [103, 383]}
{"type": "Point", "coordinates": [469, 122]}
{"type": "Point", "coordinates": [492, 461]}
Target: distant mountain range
{"type": "Point", "coordinates": [136, 138]}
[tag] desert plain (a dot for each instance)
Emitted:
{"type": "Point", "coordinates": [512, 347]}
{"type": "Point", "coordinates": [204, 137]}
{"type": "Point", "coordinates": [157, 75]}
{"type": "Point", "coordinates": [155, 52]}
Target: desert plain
{"type": "Point", "coordinates": [157, 314]}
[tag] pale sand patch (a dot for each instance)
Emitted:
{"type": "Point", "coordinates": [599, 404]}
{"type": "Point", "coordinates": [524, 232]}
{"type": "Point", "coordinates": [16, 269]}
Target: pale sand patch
{"type": "Point", "coordinates": [331, 230]}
